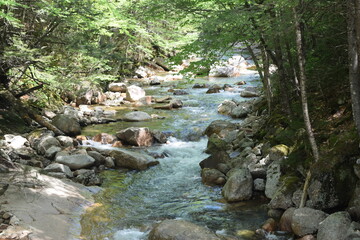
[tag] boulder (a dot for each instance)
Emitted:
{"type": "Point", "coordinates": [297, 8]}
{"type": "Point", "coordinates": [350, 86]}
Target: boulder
{"type": "Point", "coordinates": [249, 94]}
{"type": "Point", "coordinates": [200, 85]}
{"type": "Point", "coordinates": [132, 160]}
{"type": "Point", "coordinates": [212, 177]}
{"type": "Point", "coordinates": [282, 199]}
{"type": "Point", "coordinates": [306, 221]}
{"type": "Point", "coordinates": [273, 175]}
{"type": "Point", "coordinates": [215, 160]}
{"type": "Point", "coordinates": [239, 185]}
{"type": "Point", "coordinates": [354, 203]}
{"type": "Point", "coordinates": [109, 162]}
{"type": "Point", "coordinates": [15, 142]}
{"type": "Point", "coordinates": [136, 116]}
{"type": "Point", "coordinates": [67, 124]}
{"type": "Point", "coordinates": [51, 152]}
{"type": "Point", "coordinates": [224, 71]}
{"type": "Point", "coordinates": [226, 107]}
{"type": "Point", "coordinates": [180, 229]}
{"type": "Point", "coordinates": [45, 143]}
{"type": "Point", "coordinates": [180, 92]}
{"type": "Point", "coordinates": [159, 136]}
{"type": "Point", "coordinates": [134, 93]}
{"type": "Point", "coordinates": [59, 168]}
{"type": "Point", "coordinates": [104, 138]}
{"type": "Point", "coordinates": [117, 87]}
{"type": "Point", "coordinates": [77, 161]}
{"type": "Point", "coordinates": [334, 227]}
{"type": "Point", "coordinates": [286, 220]}
{"type": "Point", "coordinates": [65, 141]}
{"type": "Point", "coordinates": [241, 111]}
{"type": "Point", "coordinates": [214, 89]}
{"type": "Point", "coordinates": [136, 136]}
{"type": "Point", "coordinates": [87, 177]}
{"type": "Point", "coordinates": [278, 152]}
{"type": "Point", "coordinates": [99, 158]}
{"type": "Point", "coordinates": [216, 144]}
{"type": "Point", "coordinates": [259, 184]}
{"type": "Point", "coordinates": [155, 82]}
{"type": "Point", "coordinates": [176, 103]}
{"type": "Point", "coordinates": [353, 232]}
{"type": "Point", "coordinates": [219, 125]}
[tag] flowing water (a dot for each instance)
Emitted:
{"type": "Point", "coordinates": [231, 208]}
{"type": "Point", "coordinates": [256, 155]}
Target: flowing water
{"type": "Point", "coordinates": [132, 202]}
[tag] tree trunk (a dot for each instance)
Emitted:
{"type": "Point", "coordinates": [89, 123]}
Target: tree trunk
{"type": "Point", "coordinates": [253, 56]}
{"type": "Point", "coordinates": [302, 76]}
{"type": "Point", "coordinates": [266, 81]}
{"type": "Point", "coordinates": [354, 61]}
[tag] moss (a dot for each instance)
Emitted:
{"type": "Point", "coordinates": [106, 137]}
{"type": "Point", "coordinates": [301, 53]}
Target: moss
{"type": "Point", "coordinates": [289, 183]}
{"type": "Point", "coordinates": [12, 123]}
{"type": "Point", "coordinates": [280, 149]}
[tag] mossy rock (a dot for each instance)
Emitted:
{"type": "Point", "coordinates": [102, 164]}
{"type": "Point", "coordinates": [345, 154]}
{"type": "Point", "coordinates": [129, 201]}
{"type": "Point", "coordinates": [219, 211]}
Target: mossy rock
{"type": "Point", "coordinates": [216, 144]}
{"type": "Point", "coordinates": [10, 122]}
{"type": "Point", "coordinates": [278, 152]}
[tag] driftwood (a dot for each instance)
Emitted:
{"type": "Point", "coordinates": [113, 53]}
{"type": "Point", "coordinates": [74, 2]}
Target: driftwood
{"type": "Point", "coordinates": [25, 112]}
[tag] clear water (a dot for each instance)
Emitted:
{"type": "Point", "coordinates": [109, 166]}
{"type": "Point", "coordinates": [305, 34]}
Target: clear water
{"type": "Point", "coordinates": [132, 202]}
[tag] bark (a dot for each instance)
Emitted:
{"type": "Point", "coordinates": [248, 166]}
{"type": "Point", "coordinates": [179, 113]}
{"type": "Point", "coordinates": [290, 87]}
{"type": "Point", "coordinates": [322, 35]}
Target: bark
{"type": "Point", "coordinates": [267, 83]}
{"type": "Point", "coordinates": [26, 113]}
{"type": "Point", "coordinates": [354, 61]}
{"type": "Point", "coordinates": [304, 102]}
{"type": "Point", "coordinates": [255, 59]}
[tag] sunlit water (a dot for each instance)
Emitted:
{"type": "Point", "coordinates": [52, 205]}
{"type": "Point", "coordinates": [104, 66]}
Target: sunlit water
{"type": "Point", "coordinates": [132, 202]}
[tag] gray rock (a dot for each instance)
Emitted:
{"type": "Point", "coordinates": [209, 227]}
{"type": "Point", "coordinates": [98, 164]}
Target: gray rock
{"type": "Point", "coordinates": [214, 89]}
{"type": "Point", "coordinates": [282, 198]}
{"type": "Point", "coordinates": [215, 160]}
{"type": "Point", "coordinates": [249, 94]}
{"type": "Point", "coordinates": [134, 93]}
{"type": "Point", "coordinates": [176, 103]}
{"type": "Point", "coordinates": [219, 125]}
{"type": "Point", "coordinates": [353, 232]}
{"type": "Point", "coordinates": [306, 221]}
{"type": "Point", "coordinates": [241, 111]}
{"type": "Point", "coordinates": [67, 124]}
{"type": "Point", "coordinates": [259, 184]}
{"type": "Point", "coordinates": [136, 136]}
{"type": "Point", "coordinates": [77, 161]}
{"type": "Point", "coordinates": [212, 177]}
{"type": "Point", "coordinates": [322, 192]}
{"type": "Point", "coordinates": [180, 229]}
{"type": "Point", "coordinates": [334, 227]}
{"type": "Point", "coordinates": [239, 186]}
{"type": "Point", "coordinates": [59, 175]}
{"type": "Point", "coordinates": [273, 175]}
{"type": "Point", "coordinates": [59, 168]}
{"type": "Point", "coordinates": [226, 107]}
{"type": "Point", "coordinates": [109, 162]}
{"type": "Point", "coordinates": [354, 203]}
{"type": "Point", "coordinates": [132, 160]}
{"type": "Point", "coordinates": [45, 143]}
{"type": "Point", "coordinates": [51, 152]}
{"type": "Point", "coordinates": [137, 116]}
{"type": "Point", "coordinates": [16, 142]}
{"type": "Point", "coordinates": [117, 87]}
{"type": "Point", "coordinates": [99, 158]}
{"type": "Point", "coordinates": [180, 92]}
{"type": "Point", "coordinates": [87, 177]}
{"type": "Point", "coordinates": [159, 137]}
{"type": "Point", "coordinates": [65, 141]}
{"type": "Point", "coordinates": [286, 220]}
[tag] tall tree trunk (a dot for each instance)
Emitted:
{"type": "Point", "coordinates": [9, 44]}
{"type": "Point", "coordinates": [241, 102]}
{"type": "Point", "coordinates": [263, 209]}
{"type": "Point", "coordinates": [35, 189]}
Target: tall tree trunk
{"type": "Point", "coordinates": [302, 76]}
{"type": "Point", "coordinates": [266, 81]}
{"type": "Point", "coordinates": [354, 61]}
{"type": "Point", "coordinates": [255, 59]}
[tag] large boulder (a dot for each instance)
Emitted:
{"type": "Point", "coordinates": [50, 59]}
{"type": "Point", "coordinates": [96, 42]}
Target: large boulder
{"type": "Point", "coordinates": [226, 107]}
{"type": "Point", "coordinates": [249, 94]}
{"type": "Point", "coordinates": [104, 138]}
{"type": "Point", "coordinates": [67, 124]}
{"type": "Point", "coordinates": [354, 203]}
{"type": "Point", "coordinates": [180, 229]}
{"type": "Point", "coordinates": [215, 160]}
{"type": "Point", "coordinates": [306, 221]}
{"type": "Point", "coordinates": [136, 136]}
{"type": "Point", "coordinates": [134, 93]}
{"type": "Point", "coordinates": [282, 199]}
{"type": "Point", "coordinates": [45, 143]}
{"type": "Point", "coordinates": [77, 161]}
{"type": "Point", "coordinates": [273, 183]}
{"type": "Point", "coordinates": [239, 185]}
{"type": "Point", "coordinates": [15, 142]}
{"type": "Point", "coordinates": [212, 177]}
{"type": "Point", "coordinates": [218, 126]}
{"type": "Point", "coordinates": [286, 220]}
{"type": "Point", "coordinates": [132, 160]}
{"type": "Point", "coordinates": [334, 227]}
{"type": "Point", "coordinates": [117, 87]}
{"type": "Point", "coordinates": [224, 71]}
{"type": "Point", "coordinates": [136, 116]}
{"type": "Point", "coordinates": [59, 168]}
{"type": "Point", "coordinates": [241, 111]}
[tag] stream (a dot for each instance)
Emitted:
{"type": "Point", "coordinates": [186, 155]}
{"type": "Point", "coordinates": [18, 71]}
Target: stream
{"type": "Point", "coordinates": [132, 202]}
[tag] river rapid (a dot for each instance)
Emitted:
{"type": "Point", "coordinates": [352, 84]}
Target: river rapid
{"type": "Point", "coordinates": [132, 202]}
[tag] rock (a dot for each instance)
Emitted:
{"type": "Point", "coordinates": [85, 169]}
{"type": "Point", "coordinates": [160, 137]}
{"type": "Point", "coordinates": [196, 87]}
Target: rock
{"type": "Point", "coordinates": [214, 89]}
{"type": "Point", "coordinates": [273, 175]}
{"type": "Point", "coordinates": [248, 94]}
{"type": "Point", "coordinates": [65, 141]}
{"type": "Point", "coordinates": [45, 143]}
{"type": "Point", "coordinates": [286, 220]}
{"type": "Point", "coordinates": [219, 125]}
{"type": "Point", "coordinates": [165, 99]}
{"type": "Point", "coordinates": [109, 162]}
{"type": "Point", "coordinates": [117, 87]}
{"type": "Point", "coordinates": [59, 168]}
{"type": "Point", "coordinates": [257, 170]}
{"type": "Point", "coordinates": [180, 92]}
{"type": "Point", "coordinates": [76, 161]}
{"type": "Point", "coordinates": [143, 72]}
{"type": "Point", "coordinates": [216, 144]}
{"type": "Point", "coordinates": [104, 138]}
{"type": "Point", "coordinates": [334, 227]}
{"type": "Point", "coordinates": [87, 177]}
{"type": "Point", "coordinates": [67, 124]}
{"type": "Point", "coordinates": [99, 158]}
{"type": "Point", "coordinates": [239, 186]}
{"type": "Point", "coordinates": [224, 71]}
{"type": "Point", "coordinates": [137, 116]}
{"type": "Point", "coordinates": [241, 83]}
{"type": "Point", "coordinates": [214, 161]}
{"type": "Point", "coordinates": [180, 229]}
{"type": "Point", "coordinates": [307, 237]}
{"type": "Point", "coordinates": [270, 225]}
{"type": "Point", "coordinates": [134, 93]}
{"type": "Point", "coordinates": [155, 82]}
{"type": "Point", "coordinates": [136, 136]}
{"type": "Point", "coordinates": [226, 107]}
{"type": "Point", "coordinates": [132, 160]}
{"type": "Point", "coordinates": [282, 199]}
{"type": "Point", "coordinates": [51, 152]}
{"type": "Point", "coordinates": [176, 103]}
{"type": "Point", "coordinates": [241, 111]}
{"type": "Point", "coordinates": [117, 144]}
{"type": "Point", "coordinates": [159, 137]}
{"type": "Point", "coordinates": [296, 198]}
{"type": "Point", "coordinates": [278, 152]}
{"type": "Point", "coordinates": [275, 213]}
{"type": "Point", "coordinates": [164, 107]}
{"type": "Point", "coordinates": [306, 221]}
{"type": "Point", "coordinates": [16, 142]}
{"type": "Point", "coordinates": [354, 203]}
{"type": "Point", "coordinates": [212, 177]}
{"type": "Point", "coordinates": [200, 85]}
{"type": "Point", "coordinates": [353, 232]}
{"type": "Point", "coordinates": [48, 113]}
{"type": "Point", "coordinates": [259, 184]}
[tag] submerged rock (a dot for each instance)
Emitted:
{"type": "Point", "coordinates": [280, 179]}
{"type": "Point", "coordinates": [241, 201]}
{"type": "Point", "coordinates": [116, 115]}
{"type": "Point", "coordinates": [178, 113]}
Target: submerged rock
{"type": "Point", "coordinates": [180, 229]}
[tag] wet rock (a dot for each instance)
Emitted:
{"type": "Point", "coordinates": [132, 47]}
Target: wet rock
{"type": "Point", "coordinates": [200, 85]}
{"type": "Point", "coordinates": [214, 89]}
{"type": "Point", "coordinates": [159, 136]}
{"type": "Point", "coordinates": [241, 83]}
{"type": "Point", "coordinates": [134, 93]}
{"type": "Point", "coordinates": [259, 184]}
{"type": "Point", "coordinates": [136, 136]}
{"type": "Point", "coordinates": [76, 161]}
{"type": "Point", "coordinates": [69, 125]}
{"type": "Point", "coordinates": [45, 143]}
{"type": "Point", "coordinates": [137, 116]}
{"type": "Point", "coordinates": [306, 221]}
{"type": "Point", "coordinates": [180, 229]}
{"type": "Point", "coordinates": [59, 168]}
{"type": "Point", "coordinates": [176, 103]}
{"type": "Point", "coordinates": [239, 185]}
{"type": "Point", "coordinates": [278, 152]}
{"type": "Point", "coordinates": [215, 160]}
{"type": "Point", "coordinates": [270, 225]}
{"type": "Point", "coordinates": [99, 158]}
{"type": "Point", "coordinates": [216, 144]}
{"type": "Point", "coordinates": [117, 87]}
{"type": "Point", "coordinates": [286, 220]}
{"type": "Point", "coordinates": [65, 141]}
{"type": "Point", "coordinates": [226, 107]}
{"type": "Point", "coordinates": [51, 152]}
{"type": "Point", "coordinates": [155, 82]}
{"type": "Point", "coordinates": [241, 111]}
{"type": "Point", "coordinates": [87, 177]}
{"type": "Point", "coordinates": [109, 162]}
{"type": "Point", "coordinates": [212, 177]}
{"type": "Point", "coordinates": [334, 227]}
{"type": "Point", "coordinates": [104, 138]}
{"type": "Point", "coordinates": [180, 92]}
{"type": "Point", "coordinates": [249, 94]}
{"type": "Point", "coordinates": [219, 125]}
{"type": "Point", "coordinates": [132, 160]}
{"type": "Point", "coordinates": [273, 175]}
